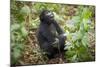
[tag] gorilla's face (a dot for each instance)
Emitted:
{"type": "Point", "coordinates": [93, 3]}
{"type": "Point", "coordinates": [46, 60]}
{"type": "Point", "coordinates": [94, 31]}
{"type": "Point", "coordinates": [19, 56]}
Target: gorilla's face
{"type": "Point", "coordinates": [47, 16]}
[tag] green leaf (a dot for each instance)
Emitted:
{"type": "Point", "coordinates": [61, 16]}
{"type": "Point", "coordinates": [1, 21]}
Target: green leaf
{"type": "Point", "coordinates": [80, 34]}
{"type": "Point", "coordinates": [85, 40]}
{"type": "Point", "coordinates": [35, 23]}
{"type": "Point", "coordinates": [74, 58]}
{"type": "Point", "coordinates": [68, 45]}
{"type": "Point", "coordinates": [86, 26]}
{"type": "Point", "coordinates": [19, 46]}
{"type": "Point", "coordinates": [76, 19]}
{"type": "Point", "coordinates": [16, 53]}
{"type": "Point", "coordinates": [69, 36]}
{"type": "Point", "coordinates": [25, 10]}
{"type": "Point", "coordinates": [86, 13]}
{"type": "Point", "coordinates": [74, 37]}
{"type": "Point", "coordinates": [15, 26]}
{"type": "Point", "coordinates": [24, 31]}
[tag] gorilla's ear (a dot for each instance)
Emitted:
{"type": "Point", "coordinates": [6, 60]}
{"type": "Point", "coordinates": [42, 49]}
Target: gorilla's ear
{"type": "Point", "coordinates": [41, 16]}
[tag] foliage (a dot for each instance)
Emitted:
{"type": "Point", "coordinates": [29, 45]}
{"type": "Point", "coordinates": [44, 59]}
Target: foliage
{"type": "Point", "coordinates": [79, 27]}
{"type": "Point", "coordinates": [18, 34]}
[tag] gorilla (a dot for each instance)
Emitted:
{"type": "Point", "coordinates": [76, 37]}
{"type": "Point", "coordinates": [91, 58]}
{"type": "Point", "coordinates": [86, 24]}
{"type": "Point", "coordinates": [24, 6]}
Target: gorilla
{"type": "Point", "coordinates": [50, 36]}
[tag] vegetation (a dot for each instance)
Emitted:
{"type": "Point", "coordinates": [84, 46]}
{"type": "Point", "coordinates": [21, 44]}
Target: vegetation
{"type": "Point", "coordinates": [78, 22]}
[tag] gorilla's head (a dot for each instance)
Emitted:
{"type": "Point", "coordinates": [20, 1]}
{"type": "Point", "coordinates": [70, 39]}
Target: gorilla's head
{"type": "Point", "coordinates": [46, 16]}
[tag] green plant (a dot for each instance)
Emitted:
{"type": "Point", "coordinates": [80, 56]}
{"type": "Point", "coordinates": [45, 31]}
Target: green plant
{"type": "Point", "coordinates": [78, 46]}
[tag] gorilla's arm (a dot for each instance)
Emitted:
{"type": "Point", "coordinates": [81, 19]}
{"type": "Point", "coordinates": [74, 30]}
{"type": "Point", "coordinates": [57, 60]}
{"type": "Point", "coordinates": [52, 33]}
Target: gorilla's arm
{"type": "Point", "coordinates": [59, 30]}
{"type": "Point", "coordinates": [62, 34]}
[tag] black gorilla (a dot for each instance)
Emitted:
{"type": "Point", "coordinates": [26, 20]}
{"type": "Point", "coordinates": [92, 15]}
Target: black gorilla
{"type": "Point", "coordinates": [50, 36]}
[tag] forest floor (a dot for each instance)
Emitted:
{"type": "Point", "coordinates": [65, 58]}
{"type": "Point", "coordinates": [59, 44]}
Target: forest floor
{"type": "Point", "coordinates": [32, 54]}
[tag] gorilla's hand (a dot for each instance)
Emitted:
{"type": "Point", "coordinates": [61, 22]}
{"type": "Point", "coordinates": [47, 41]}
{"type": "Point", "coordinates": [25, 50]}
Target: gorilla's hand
{"type": "Point", "coordinates": [56, 43]}
{"type": "Point", "coordinates": [63, 36]}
